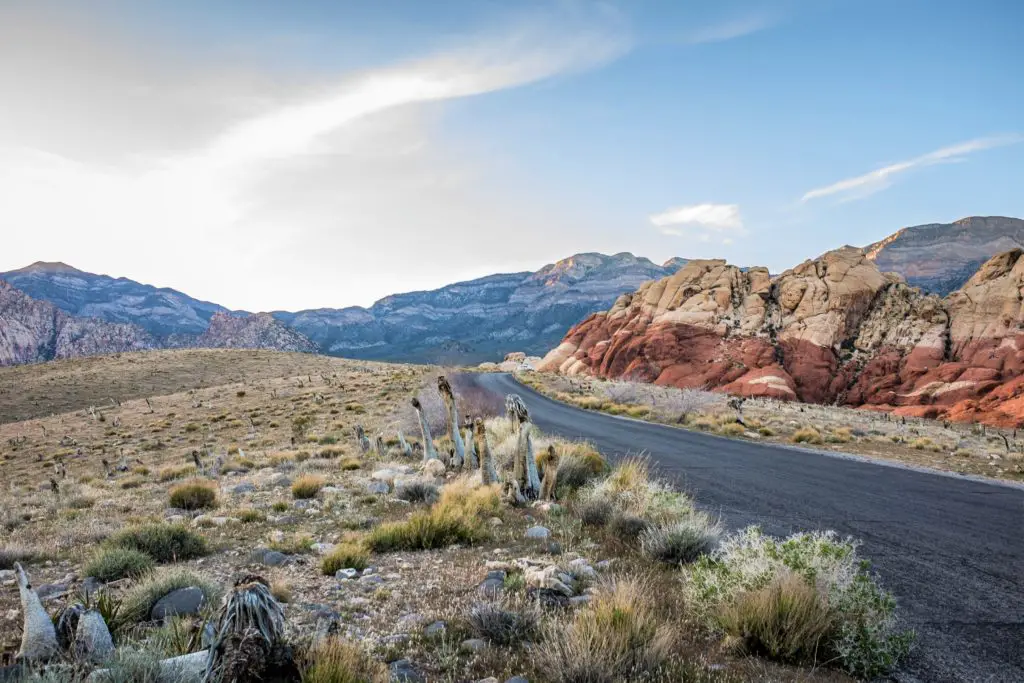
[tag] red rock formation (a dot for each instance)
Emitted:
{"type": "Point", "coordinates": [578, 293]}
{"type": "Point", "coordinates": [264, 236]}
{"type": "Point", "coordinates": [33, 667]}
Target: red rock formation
{"type": "Point", "coordinates": [831, 330]}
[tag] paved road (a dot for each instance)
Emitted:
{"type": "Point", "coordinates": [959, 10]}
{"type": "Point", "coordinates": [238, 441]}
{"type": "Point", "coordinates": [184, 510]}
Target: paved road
{"type": "Point", "coordinates": [950, 549]}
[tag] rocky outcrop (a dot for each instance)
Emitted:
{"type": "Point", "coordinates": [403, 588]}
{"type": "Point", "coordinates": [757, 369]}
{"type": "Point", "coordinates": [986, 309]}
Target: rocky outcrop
{"type": "Point", "coordinates": [832, 330]}
{"type": "Point", "coordinates": [33, 331]}
{"type": "Point", "coordinates": [940, 257]}
{"type": "Point", "coordinates": [257, 331]}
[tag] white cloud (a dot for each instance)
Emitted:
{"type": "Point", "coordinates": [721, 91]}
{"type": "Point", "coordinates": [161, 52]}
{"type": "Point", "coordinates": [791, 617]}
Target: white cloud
{"type": "Point", "coordinates": [701, 222]}
{"type": "Point", "coordinates": [285, 200]}
{"type": "Point", "coordinates": [715, 217]}
{"type": "Point", "coordinates": [879, 179]}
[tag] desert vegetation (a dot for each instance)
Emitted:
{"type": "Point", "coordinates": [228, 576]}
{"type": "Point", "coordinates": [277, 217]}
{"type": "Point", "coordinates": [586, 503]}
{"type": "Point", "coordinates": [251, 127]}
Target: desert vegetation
{"type": "Point", "coordinates": [394, 556]}
{"type": "Point", "coordinates": [974, 449]}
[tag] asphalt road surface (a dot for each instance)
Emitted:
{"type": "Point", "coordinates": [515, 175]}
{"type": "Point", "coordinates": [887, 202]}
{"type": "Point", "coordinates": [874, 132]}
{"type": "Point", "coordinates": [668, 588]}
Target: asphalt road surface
{"type": "Point", "coordinates": [950, 549]}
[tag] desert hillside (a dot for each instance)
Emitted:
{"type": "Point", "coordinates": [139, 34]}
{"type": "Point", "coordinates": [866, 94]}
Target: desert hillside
{"type": "Point", "coordinates": [157, 503]}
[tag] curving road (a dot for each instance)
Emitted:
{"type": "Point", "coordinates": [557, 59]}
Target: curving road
{"type": "Point", "coordinates": [951, 549]}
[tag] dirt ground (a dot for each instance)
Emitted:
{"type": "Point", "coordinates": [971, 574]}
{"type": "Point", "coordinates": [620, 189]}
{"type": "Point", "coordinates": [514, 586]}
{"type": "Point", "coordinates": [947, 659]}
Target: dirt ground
{"type": "Point", "coordinates": [268, 418]}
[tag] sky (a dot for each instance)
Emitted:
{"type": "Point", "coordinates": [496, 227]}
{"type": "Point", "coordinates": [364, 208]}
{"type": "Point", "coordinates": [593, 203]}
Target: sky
{"type": "Point", "coordinates": [272, 155]}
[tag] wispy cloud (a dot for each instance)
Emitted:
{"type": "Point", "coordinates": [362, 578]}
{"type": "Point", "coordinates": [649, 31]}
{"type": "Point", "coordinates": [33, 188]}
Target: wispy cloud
{"type": "Point", "coordinates": [291, 180]}
{"type": "Point", "coordinates": [731, 29]}
{"type": "Point", "coordinates": [702, 221]}
{"type": "Point", "coordinates": [864, 185]}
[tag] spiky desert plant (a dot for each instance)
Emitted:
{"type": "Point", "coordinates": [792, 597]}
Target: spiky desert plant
{"type": "Point", "coordinates": [364, 442]}
{"type": "Point", "coordinates": [404, 445]}
{"type": "Point", "coordinates": [38, 635]}
{"type": "Point", "coordinates": [525, 470]}
{"type": "Point", "coordinates": [429, 452]}
{"type": "Point", "coordinates": [249, 643]}
{"type": "Point", "coordinates": [448, 396]}
{"type": "Point", "coordinates": [488, 473]}
{"type": "Point", "coordinates": [516, 410]}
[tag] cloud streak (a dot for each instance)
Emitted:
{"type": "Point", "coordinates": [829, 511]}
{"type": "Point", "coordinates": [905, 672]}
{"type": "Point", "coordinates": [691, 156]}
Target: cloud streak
{"type": "Point", "coordinates": [703, 221]}
{"type": "Point", "coordinates": [865, 185]}
{"type": "Point", "coordinates": [730, 30]}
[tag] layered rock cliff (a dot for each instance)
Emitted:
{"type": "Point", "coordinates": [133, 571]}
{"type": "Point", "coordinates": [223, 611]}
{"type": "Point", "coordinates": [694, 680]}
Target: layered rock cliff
{"type": "Point", "coordinates": [32, 331]}
{"type": "Point", "coordinates": [832, 330]}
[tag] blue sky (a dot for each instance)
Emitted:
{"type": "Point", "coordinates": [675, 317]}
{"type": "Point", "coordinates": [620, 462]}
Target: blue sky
{"type": "Point", "coordinates": [291, 155]}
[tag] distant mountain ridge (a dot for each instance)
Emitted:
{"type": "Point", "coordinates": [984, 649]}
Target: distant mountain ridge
{"type": "Point", "coordinates": [463, 322]}
{"type": "Point", "coordinates": [941, 257]}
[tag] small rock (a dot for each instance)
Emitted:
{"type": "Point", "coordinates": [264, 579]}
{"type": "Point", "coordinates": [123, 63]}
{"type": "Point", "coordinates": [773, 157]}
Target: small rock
{"type": "Point", "coordinates": [378, 487]}
{"type": "Point", "coordinates": [279, 481]}
{"type": "Point", "coordinates": [244, 487]}
{"type": "Point", "coordinates": [492, 588]}
{"type": "Point", "coordinates": [495, 521]}
{"type": "Point", "coordinates": [402, 671]}
{"type": "Point", "coordinates": [270, 558]}
{"type": "Point", "coordinates": [517, 679]}
{"type": "Point", "coordinates": [371, 580]}
{"type": "Point", "coordinates": [91, 584]}
{"type": "Point", "coordinates": [51, 591]}
{"type": "Point", "coordinates": [322, 548]}
{"type": "Point", "coordinates": [183, 601]}
{"type": "Point", "coordinates": [538, 532]}
{"type": "Point", "coordinates": [436, 629]}
{"type": "Point", "coordinates": [369, 570]}
{"type": "Point", "coordinates": [553, 548]}
{"type": "Point", "coordinates": [475, 645]}
{"type": "Point", "coordinates": [6, 575]}
{"type": "Point", "coordinates": [346, 574]}
{"type": "Point", "coordinates": [434, 468]}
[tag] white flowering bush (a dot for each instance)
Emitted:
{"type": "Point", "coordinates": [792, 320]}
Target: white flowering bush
{"type": "Point", "coordinates": [867, 640]}
{"type": "Point", "coordinates": [631, 488]}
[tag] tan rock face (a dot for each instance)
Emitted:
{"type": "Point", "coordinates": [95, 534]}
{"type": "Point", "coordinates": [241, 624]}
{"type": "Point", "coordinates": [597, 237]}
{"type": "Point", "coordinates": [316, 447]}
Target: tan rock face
{"type": "Point", "coordinates": [833, 329]}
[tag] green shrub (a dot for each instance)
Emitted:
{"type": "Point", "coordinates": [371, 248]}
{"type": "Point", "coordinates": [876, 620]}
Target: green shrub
{"type": "Point", "coordinates": [197, 494]}
{"type": "Point", "coordinates": [111, 564]}
{"type": "Point", "coordinates": [344, 556]}
{"type": "Point", "coordinates": [250, 516]}
{"type": "Point", "coordinates": [867, 639]}
{"type": "Point", "coordinates": [162, 542]}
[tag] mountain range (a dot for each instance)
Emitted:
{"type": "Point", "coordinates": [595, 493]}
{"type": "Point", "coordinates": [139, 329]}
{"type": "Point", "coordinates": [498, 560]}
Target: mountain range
{"type": "Point", "coordinates": [465, 322]}
{"type": "Point", "coordinates": [78, 313]}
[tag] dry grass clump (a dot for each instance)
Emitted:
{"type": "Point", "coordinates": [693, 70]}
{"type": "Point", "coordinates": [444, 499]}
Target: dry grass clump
{"type": "Point", "coordinates": [111, 564]}
{"type": "Point", "coordinates": [171, 473]}
{"type": "Point", "coordinates": [731, 429]}
{"type": "Point", "coordinates": [458, 517]}
{"type": "Point", "coordinates": [9, 555]}
{"type": "Point", "coordinates": [307, 486]}
{"type": "Point", "coordinates": [632, 489]}
{"type": "Point", "coordinates": [619, 637]}
{"type": "Point", "coordinates": [417, 491]}
{"type": "Point", "coordinates": [785, 620]}
{"type": "Point", "coordinates": [503, 623]}
{"type": "Point", "coordinates": [162, 542]}
{"type": "Point", "coordinates": [336, 660]}
{"type": "Point", "coordinates": [345, 556]}
{"type": "Point", "coordinates": [140, 599]}
{"type": "Point", "coordinates": [197, 494]}
{"type": "Point", "coordinates": [682, 542]}
{"type": "Point", "coordinates": [840, 435]}
{"type": "Point", "coordinates": [925, 444]}
{"type": "Point", "coordinates": [350, 463]}
{"type": "Point", "coordinates": [807, 435]}
{"type": "Point", "coordinates": [251, 516]}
